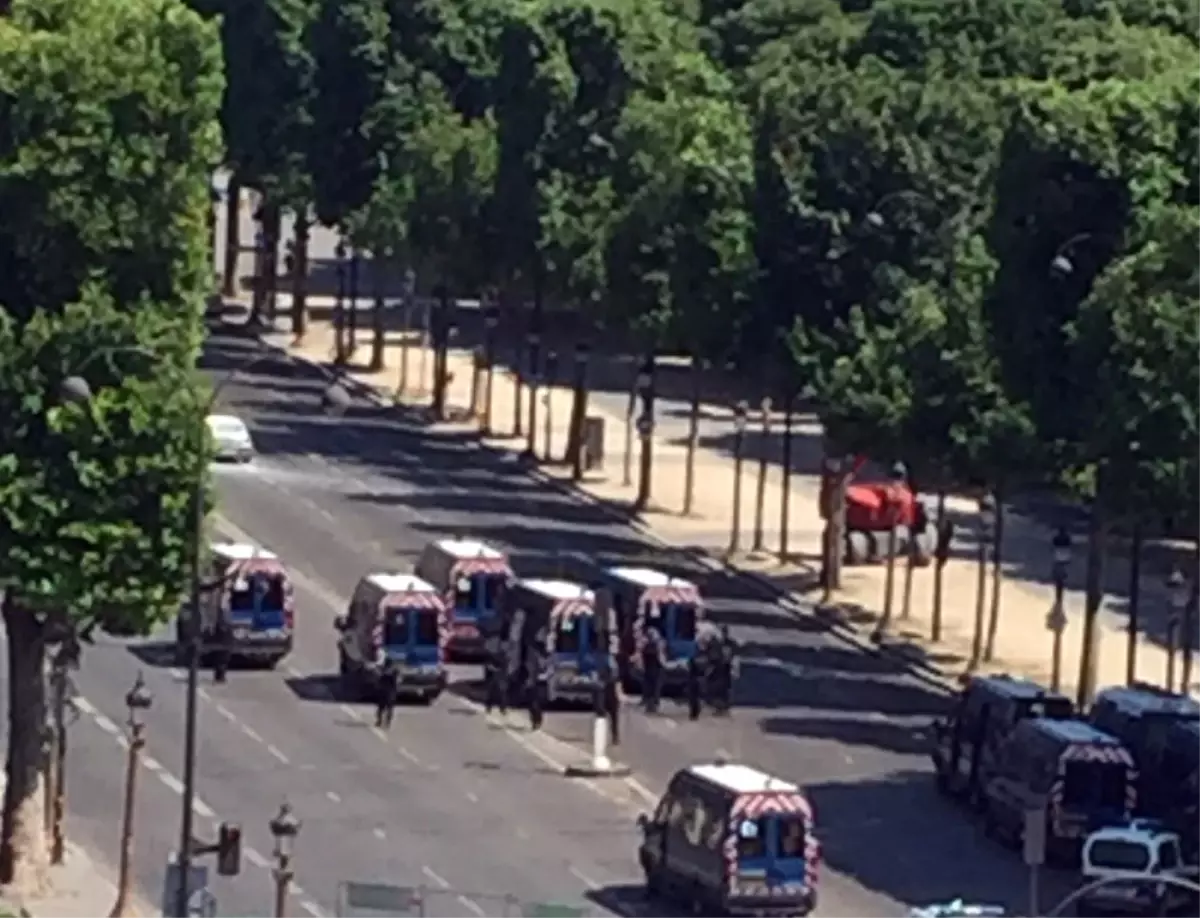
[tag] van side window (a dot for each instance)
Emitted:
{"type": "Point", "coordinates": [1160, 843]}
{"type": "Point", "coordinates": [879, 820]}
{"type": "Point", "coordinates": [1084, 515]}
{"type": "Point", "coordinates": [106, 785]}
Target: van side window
{"type": "Point", "coordinates": [717, 830]}
{"type": "Point", "coordinates": [751, 839]}
{"type": "Point", "coordinates": [694, 822]}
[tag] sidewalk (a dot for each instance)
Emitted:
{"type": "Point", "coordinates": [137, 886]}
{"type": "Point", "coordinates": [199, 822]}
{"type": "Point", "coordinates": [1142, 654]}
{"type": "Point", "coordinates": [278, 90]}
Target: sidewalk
{"type": "Point", "coordinates": [1023, 642]}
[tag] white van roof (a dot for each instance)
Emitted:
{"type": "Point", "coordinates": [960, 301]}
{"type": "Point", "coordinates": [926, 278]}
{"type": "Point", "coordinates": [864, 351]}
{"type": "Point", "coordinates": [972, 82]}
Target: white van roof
{"type": "Point", "coordinates": [741, 779]}
{"type": "Point", "coordinates": [241, 551]}
{"type": "Point", "coordinates": [400, 583]}
{"type": "Point", "coordinates": [469, 548]}
{"type": "Point", "coordinates": [559, 589]}
{"type": "Point", "coordinates": [647, 578]}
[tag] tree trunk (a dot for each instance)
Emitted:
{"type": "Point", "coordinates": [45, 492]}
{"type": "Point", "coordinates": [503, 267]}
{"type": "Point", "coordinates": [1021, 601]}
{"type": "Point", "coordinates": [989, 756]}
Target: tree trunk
{"type": "Point", "coordinates": [233, 236]}
{"type": "Point", "coordinates": [378, 267]}
{"type": "Point", "coordinates": [989, 647]}
{"type": "Point", "coordinates": [300, 275]}
{"type": "Point", "coordinates": [24, 855]}
{"type": "Point", "coordinates": [1093, 598]}
{"type": "Point", "coordinates": [272, 222]}
{"type": "Point", "coordinates": [939, 570]}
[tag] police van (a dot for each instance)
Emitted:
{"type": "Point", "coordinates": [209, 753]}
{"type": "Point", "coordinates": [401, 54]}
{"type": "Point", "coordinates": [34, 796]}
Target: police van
{"type": "Point", "coordinates": [398, 618]}
{"type": "Point", "coordinates": [728, 839]}
{"type": "Point", "coordinates": [473, 578]}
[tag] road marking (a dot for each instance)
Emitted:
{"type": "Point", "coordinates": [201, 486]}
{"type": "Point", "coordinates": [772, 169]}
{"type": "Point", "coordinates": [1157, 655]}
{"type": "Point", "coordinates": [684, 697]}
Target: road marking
{"type": "Point", "coordinates": [172, 782]}
{"type": "Point", "coordinates": [349, 711]}
{"type": "Point", "coordinates": [583, 877]}
{"type": "Point", "coordinates": [256, 859]}
{"type": "Point", "coordinates": [435, 876]}
{"type": "Point", "coordinates": [471, 796]}
{"type": "Point", "coordinates": [333, 797]}
{"type": "Point", "coordinates": [202, 809]}
{"type": "Point", "coordinates": [251, 732]}
{"type": "Point", "coordinates": [380, 834]}
{"type": "Point", "coordinates": [203, 693]}
{"type": "Point", "coordinates": [86, 706]}
{"type": "Point", "coordinates": [105, 724]}
{"type": "Point", "coordinates": [471, 906]}
{"type": "Point", "coordinates": [408, 755]}
{"type": "Point", "coordinates": [226, 713]}
{"type": "Point", "coordinates": [274, 750]}
{"type": "Point", "coordinates": [311, 907]}
{"type": "Point", "coordinates": [152, 763]}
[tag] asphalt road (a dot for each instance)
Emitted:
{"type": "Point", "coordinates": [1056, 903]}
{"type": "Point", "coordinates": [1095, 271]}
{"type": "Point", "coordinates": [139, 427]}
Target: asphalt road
{"type": "Point", "coordinates": [337, 498]}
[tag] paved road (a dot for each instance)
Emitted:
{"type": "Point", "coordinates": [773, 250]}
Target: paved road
{"type": "Point", "coordinates": [339, 497]}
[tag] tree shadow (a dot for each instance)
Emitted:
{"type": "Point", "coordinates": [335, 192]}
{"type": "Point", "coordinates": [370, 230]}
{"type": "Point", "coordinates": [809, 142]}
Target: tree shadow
{"type": "Point", "coordinates": [903, 739]}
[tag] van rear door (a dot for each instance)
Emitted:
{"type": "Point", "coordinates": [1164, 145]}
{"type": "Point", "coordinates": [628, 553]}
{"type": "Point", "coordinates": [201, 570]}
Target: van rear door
{"type": "Point", "coordinates": [771, 852]}
{"type": "Point", "coordinates": [423, 637]}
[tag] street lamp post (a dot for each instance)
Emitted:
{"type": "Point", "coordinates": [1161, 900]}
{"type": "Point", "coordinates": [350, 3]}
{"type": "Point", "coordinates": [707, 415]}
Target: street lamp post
{"type": "Point", "coordinates": [547, 404]}
{"type": "Point", "coordinates": [899, 476]}
{"type": "Point", "coordinates": [693, 437]}
{"type": "Point", "coordinates": [284, 828]}
{"type": "Point", "coordinates": [334, 399]}
{"type": "Point", "coordinates": [1057, 621]}
{"type": "Point", "coordinates": [490, 323]}
{"type": "Point", "coordinates": [1177, 596]}
{"type": "Point", "coordinates": [785, 499]}
{"type": "Point", "coordinates": [579, 411]}
{"type": "Point", "coordinates": [339, 303]}
{"type": "Point", "coordinates": [138, 701]}
{"type": "Point", "coordinates": [534, 346]}
{"type": "Point", "coordinates": [409, 290]}
{"type": "Point", "coordinates": [214, 200]}
{"type": "Point", "coordinates": [760, 491]}
{"type": "Point", "coordinates": [739, 440]}
{"type": "Point", "coordinates": [645, 429]}
{"type": "Point", "coordinates": [352, 325]}
{"type": "Point", "coordinates": [987, 518]}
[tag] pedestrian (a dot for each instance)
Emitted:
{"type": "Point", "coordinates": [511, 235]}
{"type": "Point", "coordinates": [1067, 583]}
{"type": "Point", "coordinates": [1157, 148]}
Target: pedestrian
{"type": "Point", "coordinates": [222, 637]}
{"type": "Point", "coordinates": [496, 673]}
{"type": "Point", "coordinates": [725, 671]}
{"type": "Point", "coordinates": [652, 670]}
{"type": "Point", "coordinates": [385, 706]}
{"type": "Point", "coordinates": [612, 704]}
{"type": "Point", "coordinates": [695, 683]}
{"type": "Point", "coordinates": [541, 664]}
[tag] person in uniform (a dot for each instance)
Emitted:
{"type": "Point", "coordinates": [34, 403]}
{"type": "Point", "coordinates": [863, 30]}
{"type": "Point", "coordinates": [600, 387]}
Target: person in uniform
{"type": "Point", "coordinates": [385, 706]}
{"type": "Point", "coordinates": [496, 672]}
{"type": "Point", "coordinates": [652, 670]}
{"type": "Point", "coordinates": [724, 671]}
{"type": "Point", "coordinates": [223, 638]}
{"type": "Point", "coordinates": [695, 681]}
{"type": "Point", "coordinates": [541, 664]}
{"type": "Point", "coordinates": [610, 701]}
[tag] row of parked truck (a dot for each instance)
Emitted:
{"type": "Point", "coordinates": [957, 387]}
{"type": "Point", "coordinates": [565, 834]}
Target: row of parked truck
{"type": "Point", "coordinates": [1117, 784]}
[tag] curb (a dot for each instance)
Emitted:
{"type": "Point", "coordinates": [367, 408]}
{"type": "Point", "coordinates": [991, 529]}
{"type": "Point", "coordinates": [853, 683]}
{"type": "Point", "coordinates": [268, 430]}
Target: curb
{"type": "Point", "coordinates": [926, 672]}
{"type": "Point", "coordinates": [591, 771]}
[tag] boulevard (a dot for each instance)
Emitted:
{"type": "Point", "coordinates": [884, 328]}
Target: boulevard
{"type": "Point", "coordinates": [450, 798]}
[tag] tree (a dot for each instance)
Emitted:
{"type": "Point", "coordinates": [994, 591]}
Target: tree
{"type": "Point", "coordinates": [110, 132]}
{"type": "Point", "coordinates": [267, 113]}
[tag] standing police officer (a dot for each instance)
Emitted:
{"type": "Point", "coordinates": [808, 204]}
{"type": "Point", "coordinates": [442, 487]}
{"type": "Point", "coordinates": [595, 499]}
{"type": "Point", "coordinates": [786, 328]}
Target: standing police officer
{"type": "Point", "coordinates": [724, 671]}
{"type": "Point", "coordinates": [695, 682]}
{"type": "Point", "coordinates": [223, 638]}
{"type": "Point", "coordinates": [652, 670]}
{"type": "Point", "coordinates": [496, 672]}
{"type": "Point", "coordinates": [389, 687]}
{"type": "Point", "coordinates": [540, 664]}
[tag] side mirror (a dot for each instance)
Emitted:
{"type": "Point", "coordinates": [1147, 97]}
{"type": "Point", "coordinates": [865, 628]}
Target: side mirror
{"type": "Point", "coordinates": [643, 821]}
{"type": "Point", "coordinates": [340, 623]}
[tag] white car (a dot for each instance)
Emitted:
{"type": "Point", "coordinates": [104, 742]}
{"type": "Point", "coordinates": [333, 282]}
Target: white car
{"type": "Point", "coordinates": [231, 437]}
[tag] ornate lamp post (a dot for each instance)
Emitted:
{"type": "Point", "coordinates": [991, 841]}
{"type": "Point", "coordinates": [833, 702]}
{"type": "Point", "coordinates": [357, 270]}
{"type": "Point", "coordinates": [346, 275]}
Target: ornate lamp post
{"type": "Point", "coordinates": [138, 701]}
{"type": "Point", "coordinates": [739, 441]}
{"type": "Point", "coordinates": [1057, 621]}
{"type": "Point", "coordinates": [1177, 596]}
{"type": "Point", "coordinates": [899, 475]}
{"type": "Point", "coordinates": [284, 827]}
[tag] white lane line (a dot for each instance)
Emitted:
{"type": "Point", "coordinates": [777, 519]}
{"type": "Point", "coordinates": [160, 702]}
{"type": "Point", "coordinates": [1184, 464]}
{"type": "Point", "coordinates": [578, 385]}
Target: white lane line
{"type": "Point", "coordinates": [256, 859]}
{"type": "Point", "coordinates": [311, 907]}
{"type": "Point", "coordinates": [408, 755]}
{"type": "Point", "coordinates": [226, 713]}
{"type": "Point", "coordinates": [202, 809]}
{"type": "Point", "coordinates": [349, 711]}
{"type": "Point", "coordinates": [380, 834]}
{"type": "Point", "coordinates": [583, 877]}
{"type": "Point", "coordinates": [179, 675]}
{"type": "Point", "coordinates": [105, 724]}
{"type": "Point", "coordinates": [86, 706]}
{"type": "Point", "coordinates": [172, 782]}
{"type": "Point", "coordinates": [251, 732]}
{"type": "Point", "coordinates": [334, 798]}
{"type": "Point", "coordinates": [152, 763]}
{"type": "Point", "coordinates": [274, 750]}
{"type": "Point", "coordinates": [472, 796]}
{"type": "Point", "coordinates": [435, 876]}
{"type": "Point", "coordinates": [471, 906]}
{"type": "Point", "coordinates": [203, 693]}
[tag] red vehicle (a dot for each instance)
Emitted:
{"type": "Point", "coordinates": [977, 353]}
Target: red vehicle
{"type": "Point", "coordinates": [871, 507]}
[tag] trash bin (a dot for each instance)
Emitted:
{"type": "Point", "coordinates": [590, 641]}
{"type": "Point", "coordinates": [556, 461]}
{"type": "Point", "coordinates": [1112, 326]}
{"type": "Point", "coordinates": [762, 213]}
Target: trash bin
{"type": "Point", "coordinates": [593, 443]}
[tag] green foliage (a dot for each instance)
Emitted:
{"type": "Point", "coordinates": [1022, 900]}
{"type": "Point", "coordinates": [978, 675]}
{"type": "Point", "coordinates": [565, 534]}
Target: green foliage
{"type": "Point", "coordinates": [110, 131]}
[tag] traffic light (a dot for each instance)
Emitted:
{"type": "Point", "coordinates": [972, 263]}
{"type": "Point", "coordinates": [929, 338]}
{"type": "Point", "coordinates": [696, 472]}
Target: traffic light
{"type": "Point", "coordinates": [229, 849]}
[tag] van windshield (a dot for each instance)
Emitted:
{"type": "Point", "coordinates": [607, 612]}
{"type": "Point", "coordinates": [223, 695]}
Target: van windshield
{"type": "Point", "coordinates": [1094, 785]}
{"type": "Point", "coordinates": [1118, 855]}
{"type": "Point", "coordinates": [570, 636]}
{"type": "Point", "coordinates": [400, 624]}
{"type": "Point", "coordinates": [754, 837]}
{"type": "Point", "coordinates": [479, 592]}
{"type": "Point", "coordinates": [258, 591]}
{"type": "Point", "coordinates": [683, 619]}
